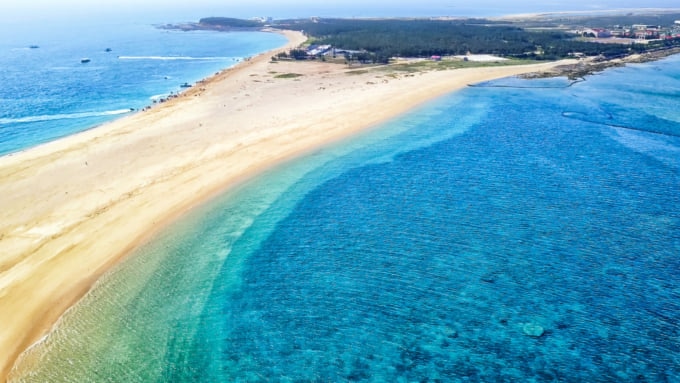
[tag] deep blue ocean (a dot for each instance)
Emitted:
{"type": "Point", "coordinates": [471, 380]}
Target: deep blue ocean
{"type": "Point", "coordinates": [514, 231]}
{"type": "Point", "coordinates": [47, 93]}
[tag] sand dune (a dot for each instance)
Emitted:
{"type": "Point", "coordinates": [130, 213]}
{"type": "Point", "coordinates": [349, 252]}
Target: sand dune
{"type": "Point", "coordinates": [74, 207]}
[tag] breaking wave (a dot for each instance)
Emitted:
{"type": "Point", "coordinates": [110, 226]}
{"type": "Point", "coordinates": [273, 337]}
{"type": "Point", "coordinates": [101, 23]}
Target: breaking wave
{"type": "Point", "coordinates": [51, 117]}
{"type": "Point", "coordinates": [168, 58]}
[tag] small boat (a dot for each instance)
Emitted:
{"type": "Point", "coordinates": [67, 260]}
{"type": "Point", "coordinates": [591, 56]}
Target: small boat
{"type": "Point", "coordinates": [108, 49]}
{"type": "Point", "coordinates": [84, 60]}
{"type": "Point", "coordinates": [186, 85]}
{"type": "Point", "coordinates": [34, 47]}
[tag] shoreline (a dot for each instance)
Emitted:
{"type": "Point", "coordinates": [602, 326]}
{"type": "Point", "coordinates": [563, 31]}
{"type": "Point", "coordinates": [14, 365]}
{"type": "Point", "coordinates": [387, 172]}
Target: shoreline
{"type": "Point", "coordinates": [12, 167]}
{"type": "Point", "coordinates": [68, 204]}
{"type": "Point", "coordinates": [590, 66]}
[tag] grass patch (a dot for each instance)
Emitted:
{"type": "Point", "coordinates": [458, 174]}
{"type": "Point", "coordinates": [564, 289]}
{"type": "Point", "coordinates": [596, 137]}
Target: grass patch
{"type": "Point", "coordinates": [428, 65]}
{"type": "Point", "coordinates": [358, 71]}
{"type": "Point", "coordinates": [288, 75]}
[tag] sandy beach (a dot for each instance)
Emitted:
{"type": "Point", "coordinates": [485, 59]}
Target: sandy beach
{"type": "Point", "coordinates": [75, 207]}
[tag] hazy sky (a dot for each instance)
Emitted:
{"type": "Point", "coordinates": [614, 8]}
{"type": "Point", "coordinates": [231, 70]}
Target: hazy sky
{"type": "Point", "coordinates": [188, 10]}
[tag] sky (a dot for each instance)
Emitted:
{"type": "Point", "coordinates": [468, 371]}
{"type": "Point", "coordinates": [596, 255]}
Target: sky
{"type": "Point", "coordinates": [191, 10]}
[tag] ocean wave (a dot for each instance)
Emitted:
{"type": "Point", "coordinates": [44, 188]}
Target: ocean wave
{"type": "Point", "coordinates": [174, 58]}
{"type": "Point", "coordinates": [51, 117]}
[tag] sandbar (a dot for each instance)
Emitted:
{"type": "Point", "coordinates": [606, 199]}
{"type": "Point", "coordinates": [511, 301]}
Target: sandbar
{"type": "Point", "coordinates": [74, 207]}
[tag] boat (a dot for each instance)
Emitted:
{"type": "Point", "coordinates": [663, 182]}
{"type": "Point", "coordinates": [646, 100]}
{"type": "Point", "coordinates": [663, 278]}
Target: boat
{"type": "Point", "coordinates": [34, 47]}
{"type": "Point", "coordinates": [186, 85]}
{"type": "Point", "coordinates": [108, 49]}
{"type": "Point", "coordinates": [84, 60]}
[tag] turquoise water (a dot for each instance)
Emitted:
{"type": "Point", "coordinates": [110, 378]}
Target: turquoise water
{"type": "Point", "coordinates": [523, 230]}
{"type": "Point", "coordinates": [47, 93]}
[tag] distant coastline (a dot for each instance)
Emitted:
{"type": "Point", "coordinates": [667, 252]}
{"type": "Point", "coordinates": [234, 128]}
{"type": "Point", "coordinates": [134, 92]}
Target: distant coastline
{"type": "Point", "coordinates": [642, 43]}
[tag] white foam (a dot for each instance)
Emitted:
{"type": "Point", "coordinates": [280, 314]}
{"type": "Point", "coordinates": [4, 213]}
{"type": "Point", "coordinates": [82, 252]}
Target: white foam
{"type": "Point", "coordinates": [172, 58]}
{"type": "Point", "coordinates": [51, 117]}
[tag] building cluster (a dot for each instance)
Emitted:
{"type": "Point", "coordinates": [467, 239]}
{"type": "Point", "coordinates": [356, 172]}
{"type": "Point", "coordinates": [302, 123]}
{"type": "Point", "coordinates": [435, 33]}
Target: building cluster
{"type": "Point", "coordinates": [317, 50]}
{"type": "Point", "coordinates": [635, 31]}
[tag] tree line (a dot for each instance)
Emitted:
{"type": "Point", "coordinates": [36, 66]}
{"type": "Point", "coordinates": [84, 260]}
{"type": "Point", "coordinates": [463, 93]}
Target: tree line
{"type": "Point", "coordinates": [378, 40]}
{"type": "Point", "coordinates": [382, 39]}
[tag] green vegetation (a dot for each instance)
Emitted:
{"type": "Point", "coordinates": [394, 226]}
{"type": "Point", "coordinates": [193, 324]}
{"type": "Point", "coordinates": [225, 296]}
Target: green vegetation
{"type": "Point", "coordinates": [357, 72]}
{"type": "Point", "coordinates": [376, 41]}
{"type": "Point", "coordinates": [428, 65]}
{"type": "Point", "coordinates": [295, 54]}
{"type": "Point", "coordinates": [287, 75]}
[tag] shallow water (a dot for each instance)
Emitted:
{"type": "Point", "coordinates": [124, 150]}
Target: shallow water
{"type": "Point", "coordinates": [526, 233]}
